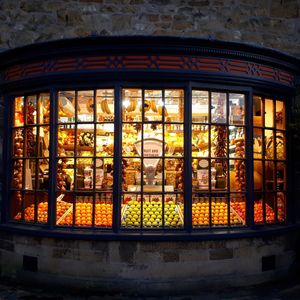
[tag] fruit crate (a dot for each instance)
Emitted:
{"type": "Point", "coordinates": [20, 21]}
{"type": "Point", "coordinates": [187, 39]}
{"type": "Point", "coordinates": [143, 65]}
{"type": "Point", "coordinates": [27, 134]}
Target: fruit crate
{"type": "Point", "coordinates": [152, 215]}
{"type": "Point", "coordinates": [219, 212]}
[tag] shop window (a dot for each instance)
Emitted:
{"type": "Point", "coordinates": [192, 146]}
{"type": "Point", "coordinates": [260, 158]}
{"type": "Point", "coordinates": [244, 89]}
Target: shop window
{"type": "Point", "coordinates": [84, 161]}
{"type": "Point", "coordinates": [152, 158]}
{"type": "Point", "coordinates": [218, 159]}
{"type": "Point", "coordinates": [269, 160]}
{"type": "Point", "coordinates": [30, 158]}
{"type": "Point", "coordinates": [153, 133]}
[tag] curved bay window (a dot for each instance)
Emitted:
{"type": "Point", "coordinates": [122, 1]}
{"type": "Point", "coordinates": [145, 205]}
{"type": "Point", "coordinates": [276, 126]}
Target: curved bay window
{"type": "Point", "coordinates": [159, 136]}
{"type": "Point", "coordinates": [154, 128]}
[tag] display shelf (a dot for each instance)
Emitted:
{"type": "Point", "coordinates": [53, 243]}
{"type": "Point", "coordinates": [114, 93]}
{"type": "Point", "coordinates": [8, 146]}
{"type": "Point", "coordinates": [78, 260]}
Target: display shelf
{"type": "Point", "coordinates": [150, 188]}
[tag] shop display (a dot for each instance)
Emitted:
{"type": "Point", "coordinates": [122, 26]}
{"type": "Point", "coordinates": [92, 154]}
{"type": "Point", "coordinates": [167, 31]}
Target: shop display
{"type": "Point", "coordinates": [239, 165]}
{"type": "Point", "coordinates": [153, 212]}
{"type": "Point", "coordinates": [152, 161]}
{"type": "Point", "coordinates": [219, 212]}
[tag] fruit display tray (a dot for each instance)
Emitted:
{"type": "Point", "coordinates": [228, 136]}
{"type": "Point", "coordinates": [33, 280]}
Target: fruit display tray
{"type": "Point", "coordinates": [152, 215]}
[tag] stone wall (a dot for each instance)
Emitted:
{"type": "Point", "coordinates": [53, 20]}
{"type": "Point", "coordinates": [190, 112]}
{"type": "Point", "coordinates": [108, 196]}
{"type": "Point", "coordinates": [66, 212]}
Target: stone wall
{"type": "Point", "coordinates": [269, 23]}
{"type": "Point", "coordinates": [146, 267]}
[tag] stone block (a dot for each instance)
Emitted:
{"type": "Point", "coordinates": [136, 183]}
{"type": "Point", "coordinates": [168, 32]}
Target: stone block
{"type": "Point", "coordinates": [7, 245]}
{"type": "Point", "coordinates": [170, 257]}
{"type": "Point", "coordinates": [121, 23]}
{"type": "Point", "coordinates": [194, 255]}
{"type": "Point", "coordinates": [220, 254]}
{"type": "Point", "coordinates": [285, 9]}
{"type": "Point", "coordinates": [127, 251]}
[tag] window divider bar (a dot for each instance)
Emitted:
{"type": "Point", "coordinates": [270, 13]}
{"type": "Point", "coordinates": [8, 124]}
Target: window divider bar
{"type": "Point", "coordinates": [7, 155]}
{"type": "Point", "coordinates": [52, 159]}
{"type": "Point", "coordinates": [117, 187]}
{"type": "Point", "coordinates": [249, 160]}
{"type": "Point", "coordinates": [188, 158]}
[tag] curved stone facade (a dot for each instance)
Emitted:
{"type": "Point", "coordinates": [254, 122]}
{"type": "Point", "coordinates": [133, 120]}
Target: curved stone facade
{"type": "Point", "coordinates": [272, 24]}
{"type": "Point", "coordinates": [133, 267]}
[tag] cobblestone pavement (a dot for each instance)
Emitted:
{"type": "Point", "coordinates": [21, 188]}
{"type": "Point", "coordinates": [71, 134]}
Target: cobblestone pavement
{"type": "Point", "coordinates": [287, 290]}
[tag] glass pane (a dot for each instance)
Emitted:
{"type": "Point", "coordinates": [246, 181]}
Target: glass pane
{"type": "Point", "coordinates": [154, 106]}
{"type": "Point", "coordinates": [269, 113]}
{"type": "Point", "coordinates": [269, 176]}
{"type": "Point", "coordinates": [132, 105]}
{"type": "Point", "coordinates": [105, 139]}
{"type": "Point", "coordinates": [152, 174]}
{"type": "Point", "coordinates": [281, 176]}
{"type": "Point", "coordinates": [270, 207]}
{"type": "Point", "coordinates": [105, 105]}
{"type": "Point", "coordinates": [131, 211]}
{"type": "Point", "coordinates": [31, 141]}
{"type": "Point", "coordinates": [200, 211]}
{"type": "Point", "coordinates": [237, 175]}
{"type": "Point", "coordinates": [153, 131]}
{"type": "Point", "coordinates": [257, 143]}
{"type": "Point", "coordinates": [29, 176]}
{"type": "Point", "coordinates": [130, 135]}
{"type": "Point", "coordinates": [237, 142]}
{"type": "Point", "coordinates": [29, 206]}
{"type": "Point", "coordinates": [103, 210]}
{"type": "Point", "coordinates": [31, 110]}
{"type": "Point", "coordinates": [258, 208]}
{"type": "Point", "coordinates": [280, 145]}
{"type": "Point", "coordinates": [16, 205]}
{"type": "Point", "coordinates": [258, 175]}
{"type": "Point", "coordinates": [174, 105]}
{"type": "Point", "coordinates": [200, 107]}
{"type": "Point", "coordinates": [220, 168]}
{"type": "Point", "coordinates": [104, 174]}
{"type": "Point", "coordinates": [85, 106]}
{"type": "Point", "coordinates": [173, 175]}
{"type": "Point", "coordinates": [218, 108]}
{"type": "Point", "coordinates": [219, 211]}
{"type": "Point", "coordinates": [174, 139]}
{"type": "Point", "coordinates": [42, 199]}
{"type": "Point", "coordinates": [65, 174]}
{"type": "Point", "coordinates": [281, 207]}
{"type": "Point", "coordinates": [66, 141]}
{"type": "Point", "coordinates": [66, 107]}
{"type": "Point", "coordinates": [280, 115]}
{"type": "Point", "coordinates": [237, 109]}
{"type": "Point", "coordinates": [64, 209]}
{"type": "Point", "coordinates": [84, 210]}
{"type": "Point", "coordinates": [173, 211]}
{"type": "Point", "coordinates": [219, 141]}
{"type": "Point", "coordinates": [17, 174]}
{"type": "Point", "coordinates": [201, 175]}
{"type": "Point", "coordinates": [18, 142]}
{"type": "Point", "coordinates": [237, 209]}
{"type": "Point", "coordinates": [257, 111]}
{"type": "Point", "coordinates": [85, 140]}
{"type": "Point", "coordinates": [152, 211]}
{"type": "Point", "coordinates": [44, 141]}
{"type": "Point", "coordinates": [269, 144]}
{"type": "Point", "coordinates": [44, 109]}
{"type": "Point", "coordinates": [200, 140]}
{"type": "Point", "coordinates": [19, 111]}
{"type": "Point", "coordinates": [131, 175]}
{"type": "Point", "coordinates": [43, 174]}
{"type": "Point", "coordinates": [84, 174]}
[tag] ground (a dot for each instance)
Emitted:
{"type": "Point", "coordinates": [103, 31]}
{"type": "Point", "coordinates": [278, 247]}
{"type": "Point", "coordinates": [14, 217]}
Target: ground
{"type": "Point", "coordinates": [287, 289]}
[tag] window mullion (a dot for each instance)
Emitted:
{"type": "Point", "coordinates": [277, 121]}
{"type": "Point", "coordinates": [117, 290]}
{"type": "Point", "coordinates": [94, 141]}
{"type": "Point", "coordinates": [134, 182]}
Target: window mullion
{"type": "Point", "coordinates": [249, 161]}
{"type": "Point", "coordinates": [52, 159]}
{"type": "Point", "coordinates": [188, 158]}
{"type": "Point", "coordinates": [117, 158]}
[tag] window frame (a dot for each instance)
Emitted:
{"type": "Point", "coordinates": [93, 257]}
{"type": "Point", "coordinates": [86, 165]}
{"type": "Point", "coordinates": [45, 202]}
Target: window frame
{"type": "Point", "coordinates": [117, 86]}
